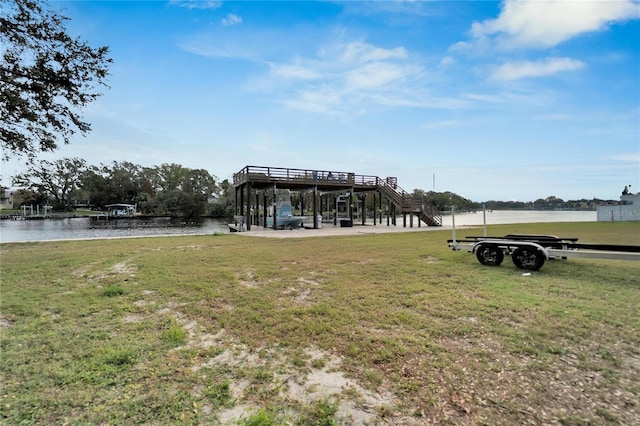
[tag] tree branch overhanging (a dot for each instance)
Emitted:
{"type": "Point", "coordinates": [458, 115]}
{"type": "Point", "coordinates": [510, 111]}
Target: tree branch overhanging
{"type": "Point", "coordinates": [46, 78]}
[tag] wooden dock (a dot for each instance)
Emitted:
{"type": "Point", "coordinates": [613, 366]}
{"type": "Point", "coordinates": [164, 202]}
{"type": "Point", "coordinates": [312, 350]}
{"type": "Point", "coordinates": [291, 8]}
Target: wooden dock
{"type": "Point", "coordinates": [255, 188]}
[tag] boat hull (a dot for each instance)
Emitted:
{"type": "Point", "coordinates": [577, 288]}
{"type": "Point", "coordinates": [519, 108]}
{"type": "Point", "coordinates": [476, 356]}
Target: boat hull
{"type": "Point", "coordinates": [288, 222]}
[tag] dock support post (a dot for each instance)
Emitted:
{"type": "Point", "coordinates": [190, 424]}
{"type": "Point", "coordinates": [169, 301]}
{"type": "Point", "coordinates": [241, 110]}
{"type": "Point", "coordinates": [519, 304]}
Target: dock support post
{"type": "Point", "coordinates": [351, 205]}
{"type": "Point", "coordinates": [241, 199]}
{"type": "Point", "coordinates": [264, 209]}
{"type": "Point", "coordinates": [275, 207]}
{"type": "Point", "coordinates": [388, 210]}
{"type": "Point", "coordinates": [315, 207]}
{"type": "Point", "coordinates": [235, 201]}
{"type": "Point", "coordinates": [256, 211]}
{"type": "Point", "coordinates": [375, 208]}
{"type": "Point", "coordinates": [247, 217]}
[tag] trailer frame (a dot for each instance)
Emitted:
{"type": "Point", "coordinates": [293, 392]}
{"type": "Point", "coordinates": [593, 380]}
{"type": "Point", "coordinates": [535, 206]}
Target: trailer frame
{"type": "Point", "coordinates": [531, 251]}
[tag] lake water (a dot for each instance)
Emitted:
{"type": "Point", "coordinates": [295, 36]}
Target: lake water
{"type": "Point", "coordinates": [84, 228]}
{"type": "Point", "coordinates": [496, 217]}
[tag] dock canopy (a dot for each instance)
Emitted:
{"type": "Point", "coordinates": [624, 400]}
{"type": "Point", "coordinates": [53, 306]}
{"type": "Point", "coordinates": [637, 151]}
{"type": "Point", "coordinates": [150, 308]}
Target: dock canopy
{"type": "Point", "coordinates": [121, 210]}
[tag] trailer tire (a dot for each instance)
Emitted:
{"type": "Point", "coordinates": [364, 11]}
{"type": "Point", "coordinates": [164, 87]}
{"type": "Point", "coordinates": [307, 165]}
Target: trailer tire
{"type": "Point", "coordinates": [489, 255]}
{"type": "Point", "coordinates": [528, 258]}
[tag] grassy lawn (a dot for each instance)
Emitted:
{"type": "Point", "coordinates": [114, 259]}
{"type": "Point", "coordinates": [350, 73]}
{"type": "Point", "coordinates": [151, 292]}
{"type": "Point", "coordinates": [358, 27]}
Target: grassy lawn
{"type": "Point", "coordinates": [368, 329]}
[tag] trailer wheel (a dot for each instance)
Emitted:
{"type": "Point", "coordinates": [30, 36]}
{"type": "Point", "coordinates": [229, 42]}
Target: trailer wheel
{"type": "Point", "coordinates": [490, 255]}
{"type": "Point", "coordinates": [528, 258]}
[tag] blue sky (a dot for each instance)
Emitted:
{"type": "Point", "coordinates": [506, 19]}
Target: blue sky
{"type": "Point", "coordinates": [513, 100]}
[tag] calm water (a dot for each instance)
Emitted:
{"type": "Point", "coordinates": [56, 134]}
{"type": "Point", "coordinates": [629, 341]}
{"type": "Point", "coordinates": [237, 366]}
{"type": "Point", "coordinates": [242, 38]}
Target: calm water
{"type": "Point", "coordinates": [39, 230]}
{"type": "Point", "coordinates": [496, 217]}
{"type": "Point", "coordinates": [74, 228]}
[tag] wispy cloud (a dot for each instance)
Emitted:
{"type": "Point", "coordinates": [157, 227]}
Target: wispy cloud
{"type": "Point", "coordinates": [353, 76]}
{"type": "Point", "coordinates": [360, 52]}
{"type": "Point", "coordinates": [546, 67]}
{"type": "Point", "coordinates": [447, 61]}
{"type": "Point", "coordinates": [293, 72]}
{"type": "Point", "coordinates": [445, 124]}
{"type": "Point", "coordinates": [554, 117]}
{"type": "Point", "coordinates": [323, 99]}
{"type": "Point", "coordinates": [196, 4]}
{"type": "Point", "coordinates": [377, 75]}
{"type": "Point", "coordinates": [632, 157]}
{"type": "Point", "coordinates": [232, 43]}
{"type": "Point", "coordinates": [231, 19]}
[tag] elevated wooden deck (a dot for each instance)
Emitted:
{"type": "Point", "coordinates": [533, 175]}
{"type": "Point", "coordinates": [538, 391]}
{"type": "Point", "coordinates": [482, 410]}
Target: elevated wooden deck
{"type": "Point", "coordinates": [300, 179]}
{"type": "Point", "coordinates": [330, 181]}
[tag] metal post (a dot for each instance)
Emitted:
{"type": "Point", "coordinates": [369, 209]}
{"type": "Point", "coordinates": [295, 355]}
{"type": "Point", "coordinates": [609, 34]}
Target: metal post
{"type": "Point", "coordinates": [453, 222]}
{"type": "Point", "coordinates": [484, 219]}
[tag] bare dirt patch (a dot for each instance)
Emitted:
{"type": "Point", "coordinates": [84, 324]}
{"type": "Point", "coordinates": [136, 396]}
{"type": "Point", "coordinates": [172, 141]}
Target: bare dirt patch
{"type": "Point", "coordinates": [133, 318]}
{"type": "Point", "coordinates": [122, 268]}
{"type": "Point", "coordinates": [191, 247]}
{"type": "Point", "coordinates": [5, 322]}
{"type": "Point", "coordinates": [301, 293]}
{"type": "Point", "coordinates": [248, 279]}
{"type": "Point", "coordinates": [429, 259]}
{"type": "Point", "coordinates": [284, 376]}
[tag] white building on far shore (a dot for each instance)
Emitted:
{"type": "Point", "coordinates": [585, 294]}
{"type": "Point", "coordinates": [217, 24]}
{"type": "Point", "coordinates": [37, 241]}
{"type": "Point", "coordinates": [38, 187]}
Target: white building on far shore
{"type": "Point", "coordinates": [628, 210]}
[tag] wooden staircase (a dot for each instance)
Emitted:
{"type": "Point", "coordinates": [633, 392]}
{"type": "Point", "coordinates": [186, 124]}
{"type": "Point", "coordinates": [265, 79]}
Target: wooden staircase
{"type": "Point", "coordinates": [407, 204]}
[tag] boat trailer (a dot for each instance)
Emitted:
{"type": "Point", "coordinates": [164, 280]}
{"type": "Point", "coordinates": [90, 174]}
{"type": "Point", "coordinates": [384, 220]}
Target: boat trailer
{"type": "Point", "coordinates": [531, 251]}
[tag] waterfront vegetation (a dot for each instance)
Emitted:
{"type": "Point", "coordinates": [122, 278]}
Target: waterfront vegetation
{"type": "Point", "coordinates": [361, 329]}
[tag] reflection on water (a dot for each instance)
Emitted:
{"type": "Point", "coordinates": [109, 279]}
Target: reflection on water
{"type": "Point", "coordinates": [82, 228]}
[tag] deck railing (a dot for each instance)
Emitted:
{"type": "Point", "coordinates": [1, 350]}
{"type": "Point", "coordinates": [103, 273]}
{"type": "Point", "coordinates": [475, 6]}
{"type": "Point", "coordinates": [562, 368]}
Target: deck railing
{"type": "Point", "coordinates": [259, 173]}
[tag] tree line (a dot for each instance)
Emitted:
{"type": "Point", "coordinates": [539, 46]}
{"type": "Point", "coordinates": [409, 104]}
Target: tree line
{"type": "Point", "coordinates": [167, 190]}
{"type": "Point", "coordinates": [174, 190]}
{"type": "Point", "coordinates": [444, 201]}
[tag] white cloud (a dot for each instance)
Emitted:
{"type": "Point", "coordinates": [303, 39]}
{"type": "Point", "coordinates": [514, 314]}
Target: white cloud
{"type": "Point", "coordinates": [197, 4]}
{"type": "Point", "coordinates": [555, 117]}
{"type": "Point", "coordinates": [377, 75]}
{"type": "Point", "coordinates": [359, 52]}
{"type": "Point", "coordinates": [324, 100]}
{"type": "Point", "coordinates": [293, 72]}
{"type": "Point", "coordinates": [633, 157]}
{"type": "Point", "coordinates": [229, 50]}
{"type": "Point", "coordinates": [445, 124]}
{"type": "Point", "coordinates": [543, 24]}
{"type": "Point", "coordinates": [231, 19]}
{"type": "Point", "coordinates": [524, 69]}
{"type": "Point", "coordinates": [447, 61]}
{"type": "Point", "coordinates": [346, 77]}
